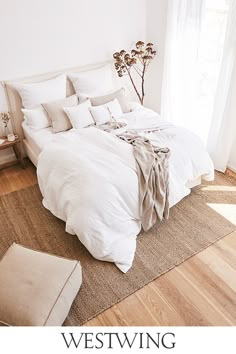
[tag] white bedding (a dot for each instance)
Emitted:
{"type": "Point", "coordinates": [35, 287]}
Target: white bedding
{"type": "Point", "coordinates": [88, 178]}
{"type": "Point", "coordinates": [37, 139]}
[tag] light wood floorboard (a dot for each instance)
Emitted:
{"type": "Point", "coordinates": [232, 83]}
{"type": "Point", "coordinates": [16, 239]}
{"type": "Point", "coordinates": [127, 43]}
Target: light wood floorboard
{"type": "Point", "coordinates": [200, 291]}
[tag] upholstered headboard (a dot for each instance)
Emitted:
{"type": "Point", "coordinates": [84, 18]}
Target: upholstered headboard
{"type": "Point", "coordinates": [14, 99]}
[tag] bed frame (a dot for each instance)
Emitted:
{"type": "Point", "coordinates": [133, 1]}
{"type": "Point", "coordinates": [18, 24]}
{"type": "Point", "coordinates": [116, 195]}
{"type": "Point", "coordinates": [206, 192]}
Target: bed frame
{"type": "Point", "coordinates": [15, 104]}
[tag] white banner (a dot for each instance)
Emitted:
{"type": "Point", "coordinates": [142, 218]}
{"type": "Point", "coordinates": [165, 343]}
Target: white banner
{"type": "Point", "coordinates": [57, 340]}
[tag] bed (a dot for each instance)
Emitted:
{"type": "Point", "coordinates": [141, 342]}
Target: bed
{"type": "Point", "coordinates": [88, 177]}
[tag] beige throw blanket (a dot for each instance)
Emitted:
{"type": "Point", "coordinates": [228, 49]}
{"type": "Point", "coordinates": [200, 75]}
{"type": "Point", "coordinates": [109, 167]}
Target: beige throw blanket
{"type": "Point", "coordinates": [153, 174]}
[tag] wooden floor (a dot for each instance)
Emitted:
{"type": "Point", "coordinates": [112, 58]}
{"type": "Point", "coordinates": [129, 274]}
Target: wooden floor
{"type": "Point", "coordinates": [200, 291]}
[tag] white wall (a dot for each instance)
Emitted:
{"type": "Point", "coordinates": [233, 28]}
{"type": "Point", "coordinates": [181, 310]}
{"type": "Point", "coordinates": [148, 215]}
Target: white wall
{"type": "Point", "coordinates": [46, 35]}
{"type": "Point", "coordinates": [232, 159]}
{"type": "Point", "coordinates": [156, 30]}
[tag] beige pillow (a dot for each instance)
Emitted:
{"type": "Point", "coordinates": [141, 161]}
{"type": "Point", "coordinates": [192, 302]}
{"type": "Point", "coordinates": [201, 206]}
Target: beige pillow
{"type": "Point", "coordinates": [37, 289]}
{"type": "Point", "coordinates": [55, 112]}
{"type": "Point", "coordinates": [119, 95]}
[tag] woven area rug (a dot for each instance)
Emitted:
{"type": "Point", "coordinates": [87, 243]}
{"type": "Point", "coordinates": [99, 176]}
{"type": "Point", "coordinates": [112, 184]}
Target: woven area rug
{"type": "Point", "coordinates": [193, 225]}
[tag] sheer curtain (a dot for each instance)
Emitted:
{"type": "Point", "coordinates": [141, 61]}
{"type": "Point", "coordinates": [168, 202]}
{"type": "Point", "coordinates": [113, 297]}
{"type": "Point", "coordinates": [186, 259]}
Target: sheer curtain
{"type": "Point", "coordinates": [191, 94]}
{"type": "Point", "coordinates": [181, 66]}
{"type": "Point", "coordinates": [223, 126]}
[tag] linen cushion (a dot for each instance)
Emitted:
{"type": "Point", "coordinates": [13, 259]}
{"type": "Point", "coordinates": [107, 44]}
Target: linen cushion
{"type": "Point", "coordinates": [107, 112]}
{"type": "Point", "coordinates": [94, 82]}
{"type": "Point", "coordinates": [36, 118]}
{"type": "Point", "coordinates": [119, 95]}
{"type": "Point", "coordinates": [34, 94]}
{"type": "Point", "coordinates": [80, 115]}
{"type": "Point", "coordinates": [55, 112]}
{"type": "Point", "coordinates": [37, 289]}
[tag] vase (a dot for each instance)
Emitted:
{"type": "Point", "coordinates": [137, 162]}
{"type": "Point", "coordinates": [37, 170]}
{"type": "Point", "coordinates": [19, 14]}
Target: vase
{"type": "Point", "coordinates": [6, 131]}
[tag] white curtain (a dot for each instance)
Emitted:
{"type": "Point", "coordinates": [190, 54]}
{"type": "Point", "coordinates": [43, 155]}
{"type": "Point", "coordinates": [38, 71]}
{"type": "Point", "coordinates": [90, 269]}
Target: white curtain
{"type": "Point", "coordinates": [213, 119]}
{"type": "Point", "coordinates": [180, 76]}
{"type": "Point", "coordinates": [223, 126]}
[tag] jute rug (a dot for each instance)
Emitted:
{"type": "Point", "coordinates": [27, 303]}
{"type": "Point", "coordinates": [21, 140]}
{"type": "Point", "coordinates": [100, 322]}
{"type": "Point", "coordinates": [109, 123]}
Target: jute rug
{"type": "Point", "coordinates": [193, 225]}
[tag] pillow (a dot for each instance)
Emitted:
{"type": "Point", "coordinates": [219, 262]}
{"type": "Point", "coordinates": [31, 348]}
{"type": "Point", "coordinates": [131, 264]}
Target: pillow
{"type": "Point", "coordinates": [119, 95]}
{"type": "Point", "coordinates": [80, 116]}
{"type": "Point", "coordinates": [134, 105]}
{"type": "Point", "coordinates": [36, 118]}
{"type": "Point", "coordinates": [37, 289]}
{"type": "Point", "coordinates": [107, 112]}
{"type": "Point", "coordinates": [93, 82]}
{"type": "Point", "coordinates": [34, 94]}
{"type": "Point", "coordinates": [55, 112]}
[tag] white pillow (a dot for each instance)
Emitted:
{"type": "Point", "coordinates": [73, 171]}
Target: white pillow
{"type": "Point", "coordinates": [106, 112]}
{"type": "Point", "coordinates": [36, 118]}
{"type": "Point", "coordinates": [93, 82]}
{"type": "Point", "coordinates": [34, 94]}
{"type": "Point", "coordinates": [80, 116]}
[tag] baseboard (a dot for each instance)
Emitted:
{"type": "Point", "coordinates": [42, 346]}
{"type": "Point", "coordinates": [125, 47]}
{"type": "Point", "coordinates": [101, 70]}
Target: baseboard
{"type": "Point", "coordinates": [231, 173]}
{"type": "Point", "coordinates": [232, 168]}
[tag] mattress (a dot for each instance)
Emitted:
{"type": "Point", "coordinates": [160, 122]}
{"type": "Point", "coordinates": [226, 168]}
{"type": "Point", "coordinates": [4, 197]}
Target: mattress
{"type": "Point", "coordinates": [37, 139]}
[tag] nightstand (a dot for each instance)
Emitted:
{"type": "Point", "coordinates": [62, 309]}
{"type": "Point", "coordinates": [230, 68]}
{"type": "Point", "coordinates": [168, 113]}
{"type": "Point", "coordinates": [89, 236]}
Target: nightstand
{"type": "Point", "coordinates": [17, 150]}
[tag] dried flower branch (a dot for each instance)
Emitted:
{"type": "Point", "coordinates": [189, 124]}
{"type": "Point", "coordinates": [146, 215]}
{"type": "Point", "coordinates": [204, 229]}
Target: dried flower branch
{"type": "Point", "coordinates": [124, 62]}
{"type": "Point", "coordinates": [5, 118]}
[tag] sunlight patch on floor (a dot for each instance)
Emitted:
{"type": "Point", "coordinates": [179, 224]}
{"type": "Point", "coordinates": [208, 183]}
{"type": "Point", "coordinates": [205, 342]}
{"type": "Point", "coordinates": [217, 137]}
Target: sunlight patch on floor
{"type": "Point", "coordinates": [219, 188]}
{"type": "Point", "coordinates": [228, 211]}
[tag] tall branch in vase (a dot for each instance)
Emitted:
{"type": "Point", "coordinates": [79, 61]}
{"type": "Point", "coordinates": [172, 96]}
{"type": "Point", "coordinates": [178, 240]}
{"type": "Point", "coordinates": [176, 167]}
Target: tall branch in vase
{"type": "Point", "coordinates": [138, 60]}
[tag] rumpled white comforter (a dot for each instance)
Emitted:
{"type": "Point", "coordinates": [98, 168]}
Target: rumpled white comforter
{"type": "Point", "coordinates": [88, 178]}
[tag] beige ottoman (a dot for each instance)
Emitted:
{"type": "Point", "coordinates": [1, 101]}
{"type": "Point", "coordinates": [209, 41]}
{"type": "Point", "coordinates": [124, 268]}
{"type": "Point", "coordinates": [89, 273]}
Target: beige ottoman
{"type": "Point", "coordinates": [36, 289]}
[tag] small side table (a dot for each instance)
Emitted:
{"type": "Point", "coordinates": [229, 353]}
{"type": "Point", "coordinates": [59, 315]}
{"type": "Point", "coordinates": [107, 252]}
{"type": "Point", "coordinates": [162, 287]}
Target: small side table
{"type": "Point", "coordinates": [17, 150]}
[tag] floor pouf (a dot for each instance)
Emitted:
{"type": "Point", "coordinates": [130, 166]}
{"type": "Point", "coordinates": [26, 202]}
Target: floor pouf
{"type": "Point", "coordinates": [36, 289]}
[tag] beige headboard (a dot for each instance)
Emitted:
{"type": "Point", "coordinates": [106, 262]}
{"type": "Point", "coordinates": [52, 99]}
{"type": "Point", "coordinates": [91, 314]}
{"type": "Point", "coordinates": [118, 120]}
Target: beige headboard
{"type": "Point", "coordinates": [14, 99]}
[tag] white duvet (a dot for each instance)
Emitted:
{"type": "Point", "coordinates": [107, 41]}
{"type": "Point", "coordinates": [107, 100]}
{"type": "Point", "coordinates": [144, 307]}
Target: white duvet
{"type": "Point", "coordinates": [88, 178]}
